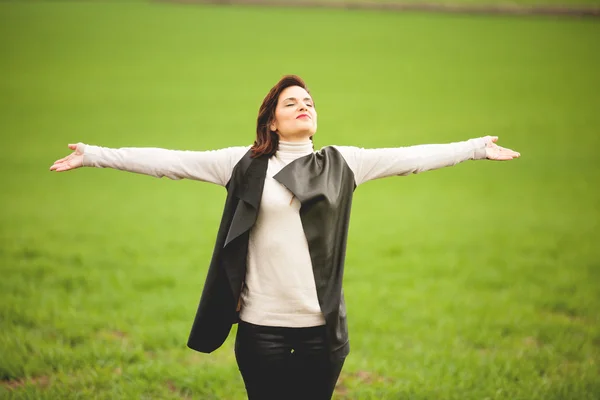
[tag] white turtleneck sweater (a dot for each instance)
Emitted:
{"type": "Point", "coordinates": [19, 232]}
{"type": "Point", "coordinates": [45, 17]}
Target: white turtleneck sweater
{"type": "Point", "coordinates": [279, 289]}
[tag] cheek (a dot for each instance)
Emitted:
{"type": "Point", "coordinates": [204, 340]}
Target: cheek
{"type": "Point", "coordinates": [282, 114]}
{"type": "Point", "coordinates": [289, 117]}
{"type": "Point", "coordinates": [279, 117]}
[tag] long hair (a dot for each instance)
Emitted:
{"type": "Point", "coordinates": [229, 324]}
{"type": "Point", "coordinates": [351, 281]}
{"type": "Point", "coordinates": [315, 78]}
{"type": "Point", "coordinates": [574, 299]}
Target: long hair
{"type": "Point", "coordinates": [267, 141]}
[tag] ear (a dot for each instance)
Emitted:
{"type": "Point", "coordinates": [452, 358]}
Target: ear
{"type": "Point", "coordinates": [273, 126]}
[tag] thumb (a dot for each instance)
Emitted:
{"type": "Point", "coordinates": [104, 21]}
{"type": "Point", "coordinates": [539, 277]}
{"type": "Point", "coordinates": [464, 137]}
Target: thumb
{"type": "Point", "coordinates": [72, 146]}
{"type": "Point", "coordinates": [494, 139]}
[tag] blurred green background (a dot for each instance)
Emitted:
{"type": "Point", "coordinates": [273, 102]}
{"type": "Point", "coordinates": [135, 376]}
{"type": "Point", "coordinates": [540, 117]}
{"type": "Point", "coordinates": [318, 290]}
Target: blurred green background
{"type": "Point", "coordinates": [480, 281]}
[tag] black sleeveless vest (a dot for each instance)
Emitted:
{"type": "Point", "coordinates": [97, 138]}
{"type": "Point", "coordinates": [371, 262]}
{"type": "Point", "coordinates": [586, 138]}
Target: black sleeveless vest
{"type": "Point", "coordinates": [324, 185]}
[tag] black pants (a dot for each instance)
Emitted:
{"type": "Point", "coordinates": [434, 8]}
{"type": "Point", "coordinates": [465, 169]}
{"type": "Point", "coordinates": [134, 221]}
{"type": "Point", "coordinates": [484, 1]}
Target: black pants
{"type": "Point", "coordinates": [285, 363]}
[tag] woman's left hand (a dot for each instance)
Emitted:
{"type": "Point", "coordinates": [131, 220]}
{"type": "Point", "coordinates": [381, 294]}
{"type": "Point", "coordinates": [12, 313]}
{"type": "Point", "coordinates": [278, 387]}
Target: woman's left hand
{"type": "Point", "coordinates": [495, 152]}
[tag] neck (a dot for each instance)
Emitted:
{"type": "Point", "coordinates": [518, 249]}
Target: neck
{"type": "Point", "coordinates": [299, 137]}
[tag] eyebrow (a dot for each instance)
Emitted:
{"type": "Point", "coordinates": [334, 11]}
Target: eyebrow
{"type": "Point", "coordinates": [293, 98]}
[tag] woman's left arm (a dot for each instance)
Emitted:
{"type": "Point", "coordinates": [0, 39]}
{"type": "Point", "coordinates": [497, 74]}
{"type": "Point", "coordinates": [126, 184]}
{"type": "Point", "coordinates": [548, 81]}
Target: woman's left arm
{"type": "Point", "coordinates": [369, 164]}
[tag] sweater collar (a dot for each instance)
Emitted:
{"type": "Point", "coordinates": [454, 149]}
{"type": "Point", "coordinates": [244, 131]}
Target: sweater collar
{"type": "Point", "coordinates": [293, 150]}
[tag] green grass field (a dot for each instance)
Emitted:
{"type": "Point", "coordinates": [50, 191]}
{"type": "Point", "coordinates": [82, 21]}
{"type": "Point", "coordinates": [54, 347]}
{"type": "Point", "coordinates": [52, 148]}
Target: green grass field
{"type": "Point", "coordinates": [480, 281]}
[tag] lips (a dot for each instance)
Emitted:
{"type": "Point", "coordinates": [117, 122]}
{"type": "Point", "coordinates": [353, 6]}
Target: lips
{"type": "Point", "coordinates": [303, 116]}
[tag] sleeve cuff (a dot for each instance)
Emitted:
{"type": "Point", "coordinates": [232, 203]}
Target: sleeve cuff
{"type": "Point", "coordinates": [479, 144]}
{"type": "Point", "coordinates": [84, 149]}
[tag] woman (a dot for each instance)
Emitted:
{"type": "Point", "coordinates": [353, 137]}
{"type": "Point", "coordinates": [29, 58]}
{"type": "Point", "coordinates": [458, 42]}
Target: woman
{"type": "Point", "coordinates": [278, 261]}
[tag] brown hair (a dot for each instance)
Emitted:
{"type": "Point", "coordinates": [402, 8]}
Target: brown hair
{"type": "Point", "coordinates": [267, 141]}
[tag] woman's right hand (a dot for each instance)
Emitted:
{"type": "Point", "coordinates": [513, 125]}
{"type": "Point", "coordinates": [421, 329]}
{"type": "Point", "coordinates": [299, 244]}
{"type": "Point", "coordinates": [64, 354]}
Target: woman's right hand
{"type": "Point", "coordinates": [72, 161]}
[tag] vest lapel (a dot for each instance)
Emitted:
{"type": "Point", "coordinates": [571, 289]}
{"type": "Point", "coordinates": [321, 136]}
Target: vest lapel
{"type": "Point", "coordinates": [249, 192]}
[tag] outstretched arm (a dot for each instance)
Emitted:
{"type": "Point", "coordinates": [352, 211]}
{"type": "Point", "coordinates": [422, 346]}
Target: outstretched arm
{"type": "Point", "coordinates": [213, 166]}
{"type": "Point", "coordinates": [369, 164]}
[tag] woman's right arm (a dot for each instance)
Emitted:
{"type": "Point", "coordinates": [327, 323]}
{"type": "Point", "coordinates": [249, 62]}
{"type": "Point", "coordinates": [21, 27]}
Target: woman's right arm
{"type": "Point", "coordinates": [213, 166]}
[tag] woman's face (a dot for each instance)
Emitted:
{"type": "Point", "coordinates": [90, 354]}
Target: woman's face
{"type": "Point", "coordinates": [295, 115]}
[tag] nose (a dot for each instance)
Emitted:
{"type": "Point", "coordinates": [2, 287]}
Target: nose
{"type": "Point", "coordinates": [302, 107]}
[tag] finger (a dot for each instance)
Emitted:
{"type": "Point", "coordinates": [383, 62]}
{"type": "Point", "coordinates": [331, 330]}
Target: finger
{"type": "Point", "coordinates": [507, 149]}
{"type": "Point", "coordinates": [62, 168]}
{"type": "Point", "coordinates": [515, 153]}
{"type": "Point", "coordinates": [56, 165]}
{"type": "Point", "coordinates": [494, 139]}
{"type": "Point", "coordinates": [507, 152]}
{"type": "Point", "coordinates": [67, 158]}
{"type": "Point", "coordinates": [73, 146]}
{"type": "Point", "coordinates": [503, 158]}
{"type": "Point", "coordinates": [61, 160]}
